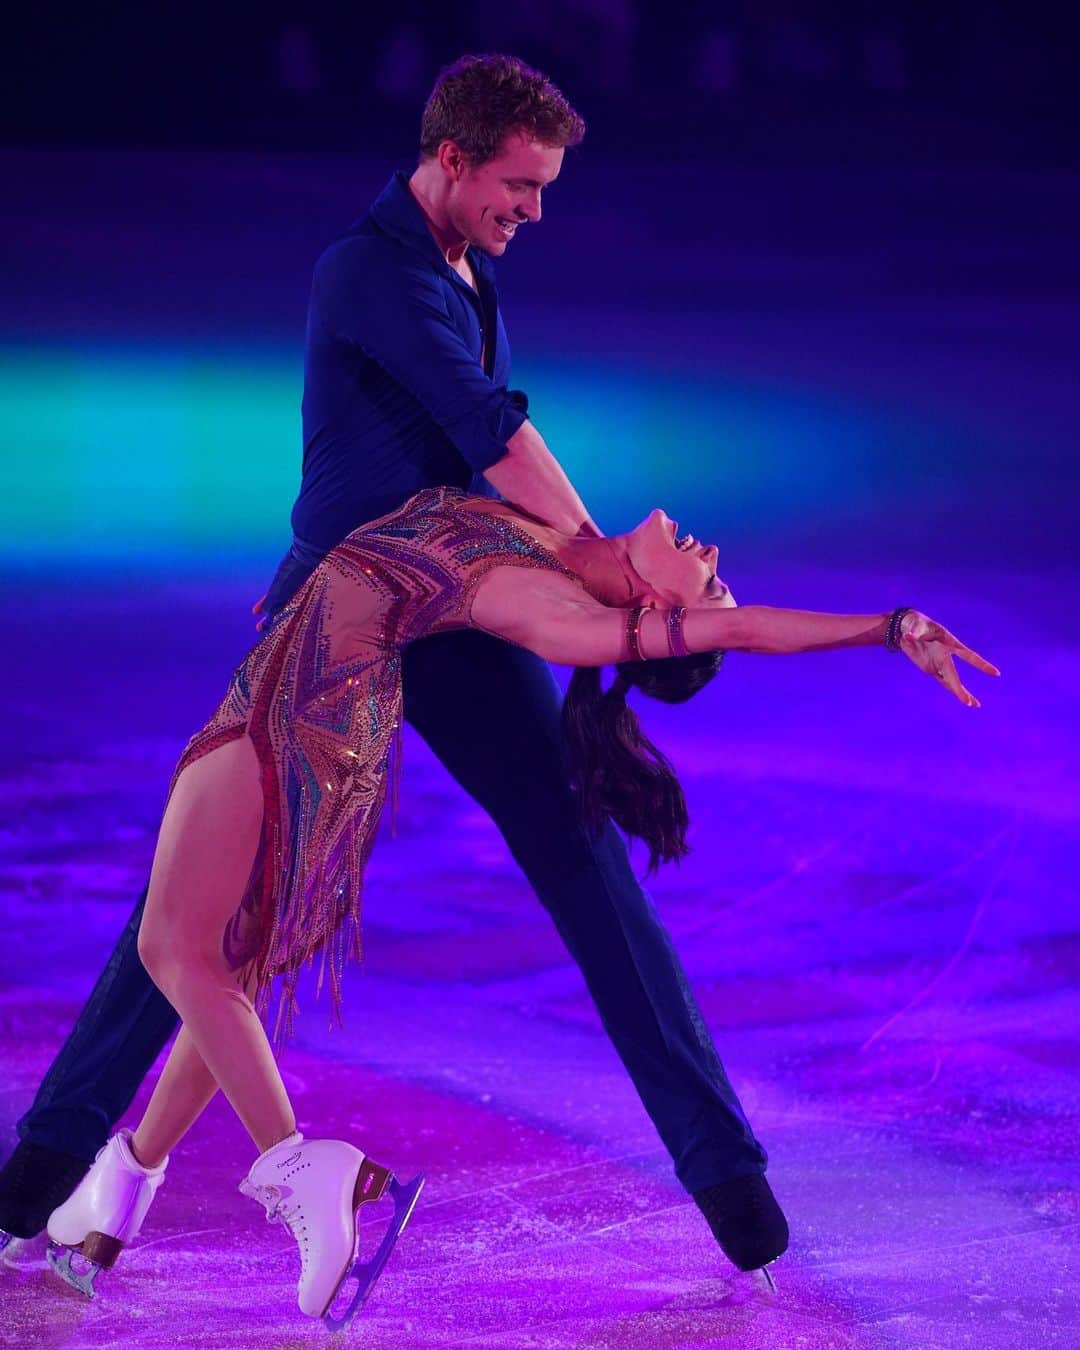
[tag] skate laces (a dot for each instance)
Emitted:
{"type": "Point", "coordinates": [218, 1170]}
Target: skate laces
{"type": "Point", "coordinates": [273, 1198]}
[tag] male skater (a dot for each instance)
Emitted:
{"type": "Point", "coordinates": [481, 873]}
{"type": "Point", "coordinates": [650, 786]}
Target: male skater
{"type": "Point", "coordinates": [405, 387]}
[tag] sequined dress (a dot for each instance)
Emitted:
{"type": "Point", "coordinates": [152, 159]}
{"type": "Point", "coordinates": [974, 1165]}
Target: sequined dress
{"type": "Point", "coordinates": [320, 697]}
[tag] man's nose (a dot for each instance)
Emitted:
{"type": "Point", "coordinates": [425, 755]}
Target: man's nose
{"type": "Point", "coordinates": [530, 207]}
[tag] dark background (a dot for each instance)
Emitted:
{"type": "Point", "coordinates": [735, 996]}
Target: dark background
{"type": "Point", "coordinates": [829, 81]}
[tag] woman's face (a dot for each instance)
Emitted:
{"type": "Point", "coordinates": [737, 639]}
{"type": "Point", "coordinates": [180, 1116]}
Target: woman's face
{"type": "Point", "coordinates": [677, 568]}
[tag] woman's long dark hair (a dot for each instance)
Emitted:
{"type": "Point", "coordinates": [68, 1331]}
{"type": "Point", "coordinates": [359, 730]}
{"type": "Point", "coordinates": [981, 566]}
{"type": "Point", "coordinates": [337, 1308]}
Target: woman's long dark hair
{"type": "Point", "coordinates": [614, 768]}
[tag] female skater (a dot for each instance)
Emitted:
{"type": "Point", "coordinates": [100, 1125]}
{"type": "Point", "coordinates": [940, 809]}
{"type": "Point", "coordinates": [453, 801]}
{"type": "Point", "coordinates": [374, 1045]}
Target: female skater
{"type": "Point", "coordinates": [274, 804]}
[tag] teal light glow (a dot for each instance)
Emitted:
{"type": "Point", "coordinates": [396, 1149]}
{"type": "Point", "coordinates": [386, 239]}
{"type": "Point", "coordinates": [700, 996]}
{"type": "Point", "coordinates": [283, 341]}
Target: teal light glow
{"type": "Point", "coordinates": [113, 454]}
{"type": "Point", "coordinates": [709, 452]}
{"type": "Point", "coordinates": [191, 454]}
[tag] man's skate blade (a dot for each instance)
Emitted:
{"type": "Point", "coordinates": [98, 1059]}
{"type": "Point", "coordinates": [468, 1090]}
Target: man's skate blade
{"type": "Point", "coordinates": [764, 1276]}
{"type": "Point", "coordinates": [60, 1259]}
{"type": "Point", "coordinates": [367, 1272]}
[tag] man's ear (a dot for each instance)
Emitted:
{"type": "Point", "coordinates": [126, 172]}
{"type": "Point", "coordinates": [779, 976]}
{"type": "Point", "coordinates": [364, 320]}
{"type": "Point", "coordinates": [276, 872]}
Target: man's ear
{"type": "Point", "coordinates": [452, 159]}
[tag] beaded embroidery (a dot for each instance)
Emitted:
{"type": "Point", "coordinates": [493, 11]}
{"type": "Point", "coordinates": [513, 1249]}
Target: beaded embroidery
{"type": "Point", "coordinates": [320, 697]}
{"type": "Point", "coordinates": [676, 642]}
{"type": "Point", "coordinates": [633, 632]}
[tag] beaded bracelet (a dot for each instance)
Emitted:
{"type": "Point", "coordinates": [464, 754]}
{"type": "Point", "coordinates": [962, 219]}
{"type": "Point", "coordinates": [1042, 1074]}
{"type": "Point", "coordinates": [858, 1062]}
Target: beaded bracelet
{"type": "Point", "coordinates": [675, 640]}
{"type": "Point", "coordinates": [892, 628]}
{"type": "Point", "coordinates": [633, 631]}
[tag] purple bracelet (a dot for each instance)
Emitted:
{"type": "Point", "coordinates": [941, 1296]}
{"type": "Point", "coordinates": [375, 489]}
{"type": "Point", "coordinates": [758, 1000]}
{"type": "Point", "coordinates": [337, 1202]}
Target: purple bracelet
{"type": "Point", "coordinates": [633, 630]}
{"type": "Point", "coordinates": [675, 640]}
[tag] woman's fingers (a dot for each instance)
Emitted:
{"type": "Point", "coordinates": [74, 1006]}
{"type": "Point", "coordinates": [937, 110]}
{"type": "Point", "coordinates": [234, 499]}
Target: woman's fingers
{"type": "Point", "coordinates": [948, 676]}
{"type": "Point", "coordinates": [956, 648]}
{"type": "Point", "coordinates": [974, 659]}
{"type": "Point", "coordinates": [933, 656]}
{"type": "Point", "coordinates": [964, 695]}
{"type": "Point", "coordinates": [966, 654]}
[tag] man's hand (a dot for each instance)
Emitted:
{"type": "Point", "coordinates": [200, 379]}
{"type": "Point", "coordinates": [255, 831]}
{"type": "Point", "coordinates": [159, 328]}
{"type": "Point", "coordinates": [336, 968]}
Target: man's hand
{"type": "Point", "coordinates": [933, 649]}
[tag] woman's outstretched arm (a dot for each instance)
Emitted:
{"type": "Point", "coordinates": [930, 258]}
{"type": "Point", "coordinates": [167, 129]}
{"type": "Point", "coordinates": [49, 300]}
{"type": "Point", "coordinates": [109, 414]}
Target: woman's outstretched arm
{"type": "Point", "coordinates": [552, 616]}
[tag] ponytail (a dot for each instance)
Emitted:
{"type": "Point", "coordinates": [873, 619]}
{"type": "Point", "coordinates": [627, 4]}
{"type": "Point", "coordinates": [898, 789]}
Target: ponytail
{"type": "Point", "coordinates": [614, 768]}
{"type": "Point", "coordinates": [618, 772]}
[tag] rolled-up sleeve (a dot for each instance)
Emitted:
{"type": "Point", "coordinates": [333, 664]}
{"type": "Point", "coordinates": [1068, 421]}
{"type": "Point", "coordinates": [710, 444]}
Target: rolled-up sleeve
{"type": "Point", "coordinates": [395, 312]}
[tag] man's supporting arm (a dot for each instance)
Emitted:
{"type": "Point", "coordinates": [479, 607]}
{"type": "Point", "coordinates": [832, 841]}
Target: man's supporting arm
{"type": "Point", "coordinates": [395, 312]}
{"type": "Point", "coordinates": [531, 477]}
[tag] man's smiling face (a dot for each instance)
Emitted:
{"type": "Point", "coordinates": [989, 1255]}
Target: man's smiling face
{"type": "Point", "coordinates": [488, 202]}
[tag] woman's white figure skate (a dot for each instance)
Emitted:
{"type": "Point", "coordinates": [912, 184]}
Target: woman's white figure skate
{"type": "Point", "coordinates": [103, 1215]}
{"type": "Point", "coordinates": [316, 1188]}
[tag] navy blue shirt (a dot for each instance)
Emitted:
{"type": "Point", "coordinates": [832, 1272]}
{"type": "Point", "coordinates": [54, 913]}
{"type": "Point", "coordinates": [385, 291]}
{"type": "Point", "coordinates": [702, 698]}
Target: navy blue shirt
{"type": "Point", "coordinates": [396, 396]}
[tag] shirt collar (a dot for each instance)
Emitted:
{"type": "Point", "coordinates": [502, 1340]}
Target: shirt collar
{"type": "Point", "coordinates": [397, 213]}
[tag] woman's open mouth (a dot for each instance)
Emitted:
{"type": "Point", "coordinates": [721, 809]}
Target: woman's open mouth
{"type": "Point", "coordinates": [686, 542]}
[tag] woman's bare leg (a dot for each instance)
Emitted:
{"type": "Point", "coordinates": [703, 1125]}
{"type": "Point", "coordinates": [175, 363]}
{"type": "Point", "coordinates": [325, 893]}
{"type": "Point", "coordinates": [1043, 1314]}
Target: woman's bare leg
{"type": "Point", "coordinates": [205, 851]}
{"type": "Point", "coordinates": [182, 1093]}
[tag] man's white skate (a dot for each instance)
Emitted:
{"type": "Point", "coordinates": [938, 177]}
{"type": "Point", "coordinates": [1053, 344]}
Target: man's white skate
{"type": "Point", "coordinates": [105, 1212]}
{"type": "Point", "coordinates": [316, 1188]}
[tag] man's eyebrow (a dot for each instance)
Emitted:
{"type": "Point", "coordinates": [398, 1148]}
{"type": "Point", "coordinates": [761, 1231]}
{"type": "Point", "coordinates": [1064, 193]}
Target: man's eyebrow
{"type": "Point", "coordinates": [529, 182]}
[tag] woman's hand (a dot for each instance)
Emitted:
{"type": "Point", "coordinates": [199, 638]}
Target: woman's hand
{"type": "Point", "coordinates": [933, 648]}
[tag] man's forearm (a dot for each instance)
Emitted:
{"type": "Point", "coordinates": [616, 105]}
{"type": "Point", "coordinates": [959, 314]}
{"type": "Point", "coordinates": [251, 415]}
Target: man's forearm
{"type": "Point", "coordinates": [531, 477]}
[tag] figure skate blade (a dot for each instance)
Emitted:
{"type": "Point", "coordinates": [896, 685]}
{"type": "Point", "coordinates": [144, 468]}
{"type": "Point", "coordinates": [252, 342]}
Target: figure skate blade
{"type": "Point", "coordinates": [765, 1277]}
{"type": "Point", "coordinates": [404, 1197]}
{"type": "Point", "coordinates": [60, 1258]}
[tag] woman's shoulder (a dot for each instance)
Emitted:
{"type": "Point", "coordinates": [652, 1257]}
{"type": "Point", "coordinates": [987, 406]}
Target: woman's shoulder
{"type": "Point", "coordinates": [471, 531]}
{"type": "Point", "coordinates": [432, 498]}
{"type": "Point", "coordinates": [419, 503]}
{"type": "Point", "coordinates": [465, 529]}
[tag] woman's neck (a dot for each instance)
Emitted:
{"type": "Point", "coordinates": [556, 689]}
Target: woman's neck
{"type": "Point", "coordinates": [603, 565]}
